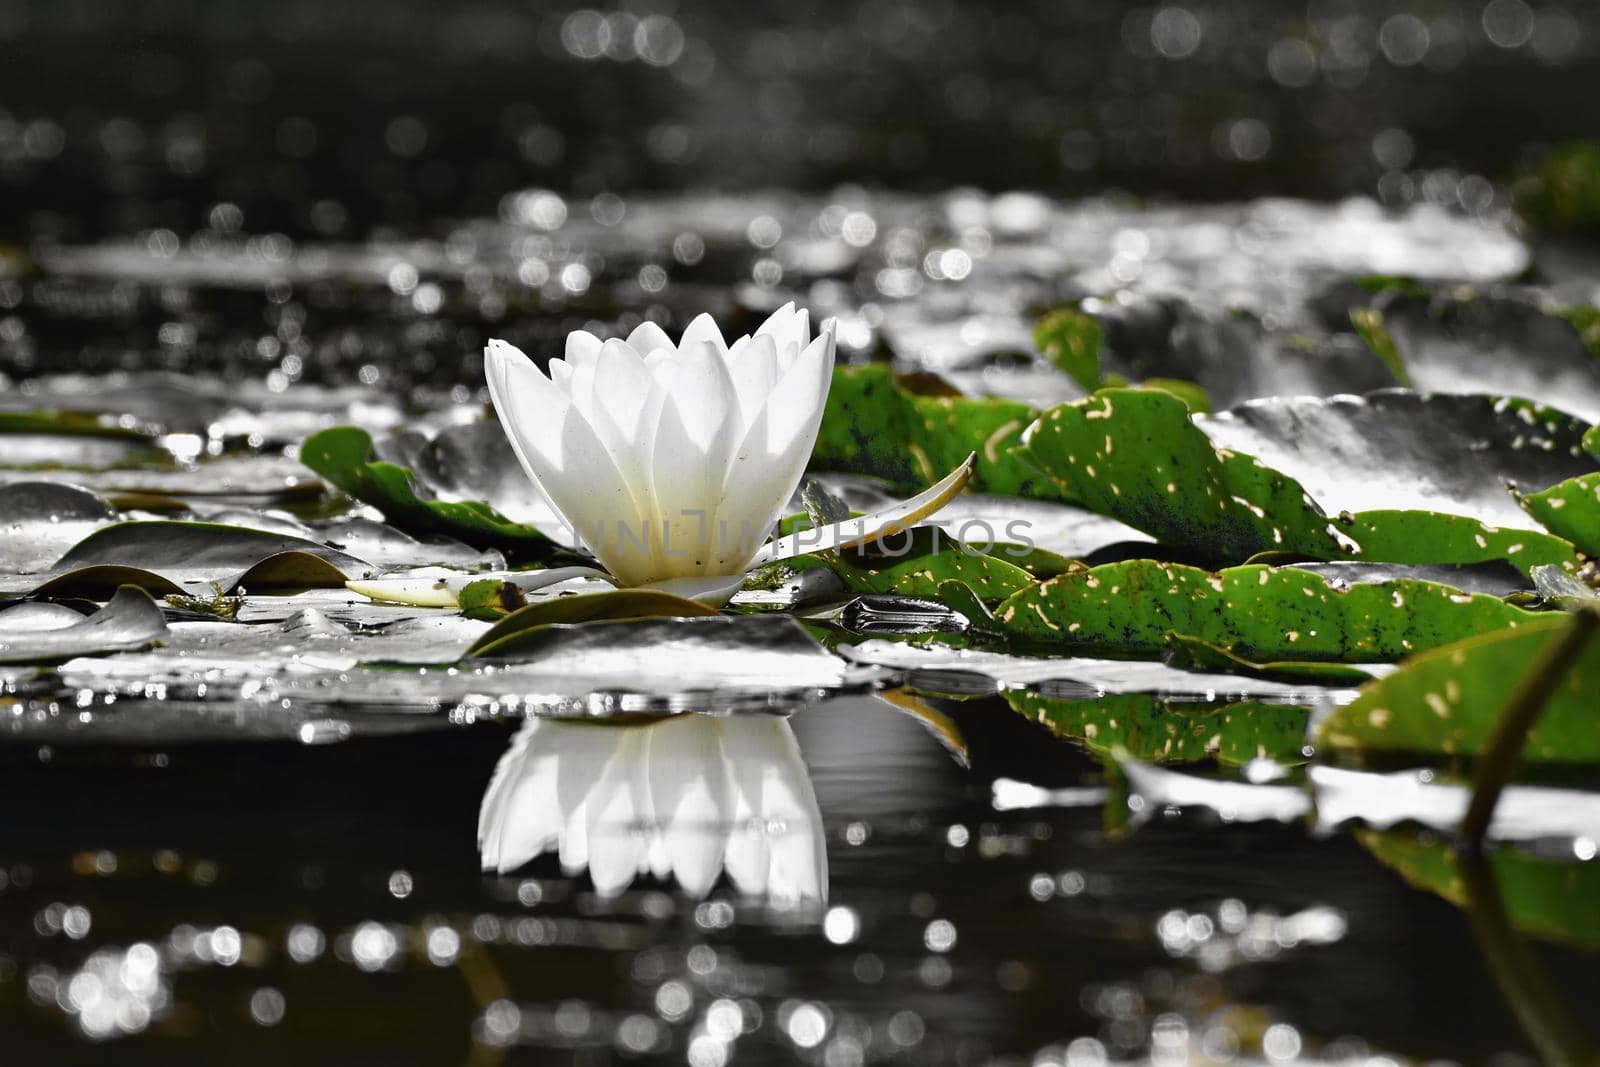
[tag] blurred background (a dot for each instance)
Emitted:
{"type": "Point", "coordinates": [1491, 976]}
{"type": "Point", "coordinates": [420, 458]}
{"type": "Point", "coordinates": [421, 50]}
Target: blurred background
{"type": "Point", "coordinates": [321, 120]}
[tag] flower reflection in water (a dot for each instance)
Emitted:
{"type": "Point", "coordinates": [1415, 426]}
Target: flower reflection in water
{"type": "Point", "coordinates": [685, 797]}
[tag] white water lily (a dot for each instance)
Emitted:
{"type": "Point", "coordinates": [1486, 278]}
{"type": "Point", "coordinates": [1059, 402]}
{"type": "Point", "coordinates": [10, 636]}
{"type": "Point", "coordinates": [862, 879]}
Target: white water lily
{"type": "Point", "coordinates": [686, 797]}
{"type": "Point", "coordinates": [671, 463]}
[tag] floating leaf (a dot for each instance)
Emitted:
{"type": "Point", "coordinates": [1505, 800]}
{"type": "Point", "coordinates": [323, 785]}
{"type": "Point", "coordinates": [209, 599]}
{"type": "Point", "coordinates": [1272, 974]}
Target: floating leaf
{"type": "Point", "coordinates": [343, 455]}
{"type": "Point", "coordinates": [1137, 456]}
{"type": "Point", "coordinates": [1548, 898]}
{"type": "Point", "coordinates": [1447, 701]}
{"type": "Point", "coordinates": [917, 562]}
{"type": "Point", "coordinates": [48, 633]}
{"type": "Point", "coordinates": [1499, 341]}
{"type": "Point", "coordinates": [873, 425]}
{"type": "Point", "coordinates": [510, 634]}
{"type": "Point", "coordinates": [1155, 731]}
{"type": "Point", "coordinates": [1428, 537]}
{"type": "Point", "coordinates": [1398, 450]}
{"type": "Point", "coordinates": [1259, 613]}
{"type": "Point", "coordinates": [1071, 339]}
{"type": "Point", "coordinates": [1570, 509]}
{"type": "Point", "coordinates": [199, 552]}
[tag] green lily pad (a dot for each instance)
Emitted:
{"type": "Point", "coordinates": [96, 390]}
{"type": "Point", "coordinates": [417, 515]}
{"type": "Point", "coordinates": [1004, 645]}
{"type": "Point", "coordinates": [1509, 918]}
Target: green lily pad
{"type": "Point", "coordinates": [1137, 456]}
{"type": "Point", "coordinates": [1447, 701]}
{"type": "Point", "coordinates": [1570, 509]}
{"type": "Point", "coordinates": [874, 425]}
{"type": "Point", "coordinates": [511, 632]}
{"type": "Point", "coordinates": [1553, 899]}
{"type": "Point", "coordinates": [1259, 613]}
{"type": "Point", "coordinates": [1424, 537]}
{"type": "Point", "coordinates": [49, 633]}
{"type": "Point", "coordinates": [1156, 731]}
{"type": "Point", "coordinates": [1071, 339]}
{"type": "Point", "coordinates": [1193, 654]}
{"type": "Point", "coordinates": [928, 558]}
{"type": "Point", "coordinates": [343, 456]}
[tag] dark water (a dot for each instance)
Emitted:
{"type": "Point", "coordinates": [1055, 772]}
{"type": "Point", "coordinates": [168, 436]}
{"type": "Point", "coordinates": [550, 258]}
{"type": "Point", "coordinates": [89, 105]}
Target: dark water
{"type": "Point", "coordinates": [1059, 934]}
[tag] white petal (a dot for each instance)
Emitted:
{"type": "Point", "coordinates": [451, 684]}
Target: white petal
{"type": "Point", "coordinates": [701, 330]}
{"type": "Point", "coordinates": [559, 449]}
{"type": "Point", "coordinates": [693, 445]}
{"type": "Point", "coordinates": [753, 363]}
{"type": "Point", "coordinates": [582, 347]}
{"type": "Point", "coordinates": [506, 368]}
{"type": "Point", "coordinates": [798, 397]}
{"type": "Point", "coordinates": [647, 337]}
{"type": "Point", "coordinates": [772, 458]}
{"type": "Point", "coordinates": [854, 532]}
{"type": "Point", "coordinates": [560, 372]}
{"type": "Point", "coordinates": [623, 413]}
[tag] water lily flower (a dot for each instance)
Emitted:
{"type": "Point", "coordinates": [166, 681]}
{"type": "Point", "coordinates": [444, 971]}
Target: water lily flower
{"type": "Point", "coordinates": [672, 462]}
{"type": "Point", "coordinates": [686, 797]}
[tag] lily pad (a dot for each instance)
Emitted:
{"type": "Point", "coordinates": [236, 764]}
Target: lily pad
{"type": "Point", "coordinates": [203, 552]}
{"type": "Point", "coordinates": [343, 455]}
{"type": "Point", "coordinates": [1498, 341]}
{"type": "Point", "coordinates": [1071, 338]}
{"type": "Point", "coordinates": [915, 564]}
{"type": "Point", "coordinates": [875, 425]}
{"type": "Point", "coordinates": [1137, 456]}
{"type": "Point", "coordinates": [42, 633]}
{"type": "Point", "coordinates": [1447, 701]}
{"type": "Point", "coordinates": [1260, 613]}
{"type": "Point", "coordinates": [511, 634]}
{"type": "Point", "coordinates": [1399, 450]}
{"type": "Point", "coordinates": [1428, 537]}
{"type": "Point", "coordinates": [1570, 509]}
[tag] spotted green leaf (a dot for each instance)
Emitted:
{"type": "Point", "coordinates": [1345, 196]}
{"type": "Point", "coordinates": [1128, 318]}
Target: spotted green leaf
{"type": "Point", "coordinates": [875, 425]}
{"type": "Point", "coordinates": [1137, 456]}
{"type": "Point", "coordinates": [1446, 701]}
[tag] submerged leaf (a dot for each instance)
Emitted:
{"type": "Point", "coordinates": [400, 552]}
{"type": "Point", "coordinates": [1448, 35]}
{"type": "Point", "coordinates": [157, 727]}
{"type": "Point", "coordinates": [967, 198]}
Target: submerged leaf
{"type": "Point", "coordinates": [1446, 702]}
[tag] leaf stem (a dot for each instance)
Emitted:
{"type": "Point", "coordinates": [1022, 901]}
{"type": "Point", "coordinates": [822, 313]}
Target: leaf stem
{"type": "Point", "coordinates": [1504, 749]}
